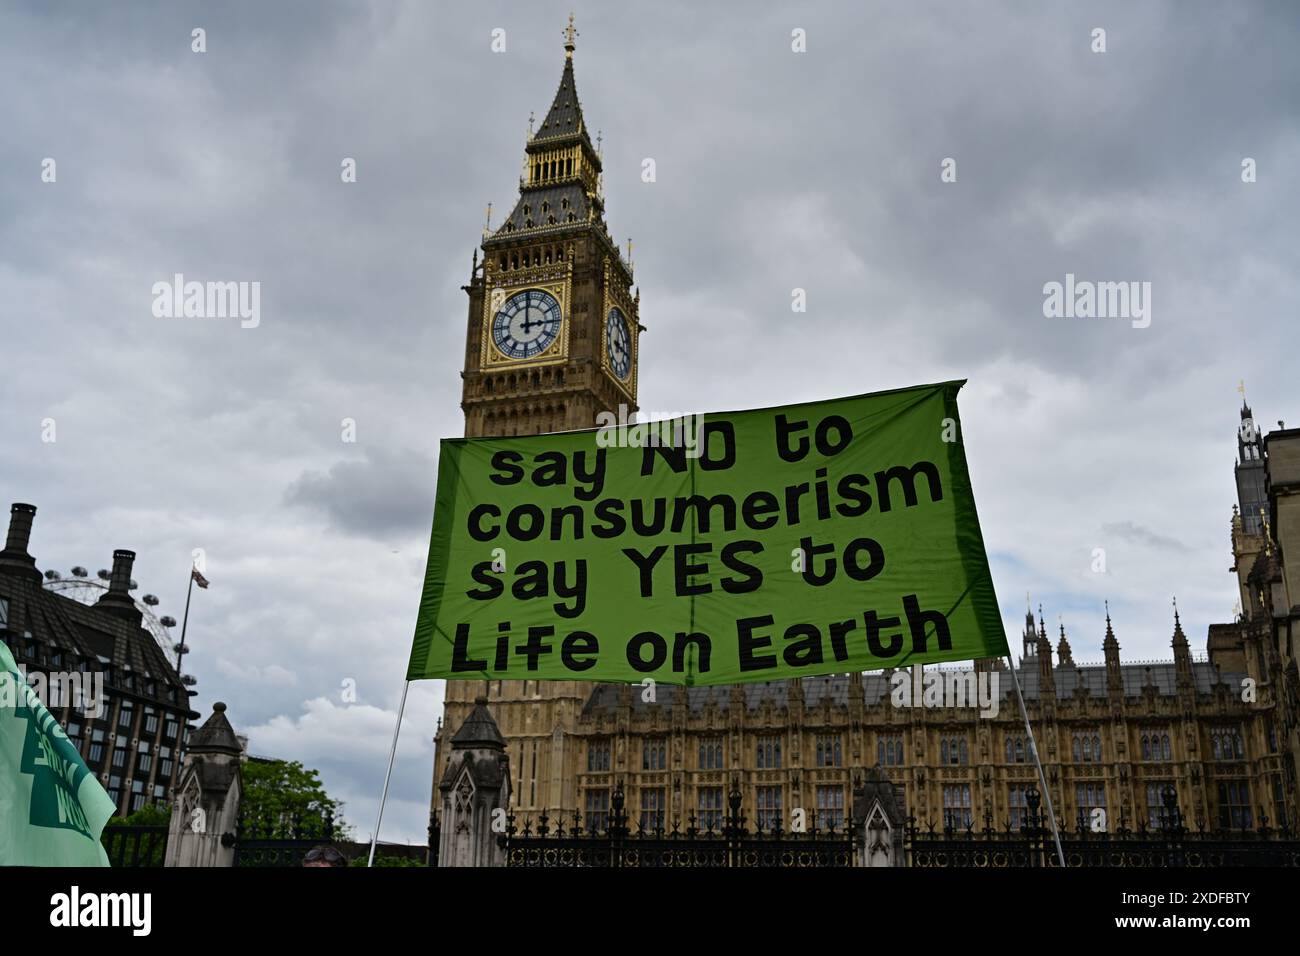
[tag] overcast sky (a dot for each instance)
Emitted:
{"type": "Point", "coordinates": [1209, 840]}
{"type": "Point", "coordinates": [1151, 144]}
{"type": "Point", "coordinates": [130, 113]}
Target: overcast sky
{"type": "Point", "coordinates": [775, 170]}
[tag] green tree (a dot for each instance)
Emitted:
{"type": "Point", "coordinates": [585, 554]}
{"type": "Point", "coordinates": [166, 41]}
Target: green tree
{"type": "Point", "coordinates": [151, 850]}
{"type": "Point", "coordinates": [150, 815]}
{"type": "Point", "coordinates": [284, 800]}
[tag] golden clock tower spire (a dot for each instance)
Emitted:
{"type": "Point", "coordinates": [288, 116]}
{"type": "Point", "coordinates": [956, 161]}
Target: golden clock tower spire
{"type": "Point", "coordinates": [569, 34]}
{"type": "Point", "coordinates": [551, 342]}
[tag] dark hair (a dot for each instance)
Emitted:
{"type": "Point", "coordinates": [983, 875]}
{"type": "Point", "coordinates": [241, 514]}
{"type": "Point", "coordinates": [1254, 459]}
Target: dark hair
{"type": "Point", "coordinates": [325, 854]}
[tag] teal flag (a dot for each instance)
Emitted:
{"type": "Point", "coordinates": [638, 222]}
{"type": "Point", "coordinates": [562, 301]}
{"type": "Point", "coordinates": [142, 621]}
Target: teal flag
{"type": "Point", "coordinates": [808, 539]}
{"type": "Point", "coordinates": [52, 809]}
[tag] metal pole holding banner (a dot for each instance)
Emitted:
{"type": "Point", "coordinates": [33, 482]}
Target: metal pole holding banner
{"type": "Point", "coordinates": [185, 623]}
{"type": "Point", "coordinates": [401, 708]}
{"type": "Point", "coordinates": [1033, 749]}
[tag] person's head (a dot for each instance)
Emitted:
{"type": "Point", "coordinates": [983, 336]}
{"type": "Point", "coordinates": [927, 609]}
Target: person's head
{"type": "Point", "coordinates": [324, 856]}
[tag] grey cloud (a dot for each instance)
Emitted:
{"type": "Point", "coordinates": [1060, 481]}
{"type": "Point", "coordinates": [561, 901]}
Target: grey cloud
{"type": "Point", "coordinates": [1145, 537]}
{"type": "Point", "coordinates": [382, 495]}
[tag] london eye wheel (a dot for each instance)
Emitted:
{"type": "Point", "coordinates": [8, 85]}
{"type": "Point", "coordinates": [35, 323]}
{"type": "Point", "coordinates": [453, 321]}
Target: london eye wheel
{"type": "Point", "coordinates": [84, 589]}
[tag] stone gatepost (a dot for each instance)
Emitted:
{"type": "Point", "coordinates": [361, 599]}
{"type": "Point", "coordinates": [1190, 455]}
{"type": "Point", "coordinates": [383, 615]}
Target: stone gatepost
{"type": "Point", "coordinates": [207, 797]}
{"type": "Point", "coordinates": [474, 787]}
{"type": "Point", "coordinates": [880, 820]}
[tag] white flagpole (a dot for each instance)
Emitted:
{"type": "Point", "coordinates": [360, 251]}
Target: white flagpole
{"type": "Point", "coordinates": [1033, 748]}
{"type": "Point", "coordinates": [374, 839]}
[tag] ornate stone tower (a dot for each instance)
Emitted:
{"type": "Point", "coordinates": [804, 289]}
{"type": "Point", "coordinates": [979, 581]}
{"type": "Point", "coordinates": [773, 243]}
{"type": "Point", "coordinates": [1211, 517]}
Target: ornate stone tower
{"type": "Point", "coordinates": [474, 786]}
{"type": "Point", "coordinates": [551, 342]}
{"type": "Point", "coordinates": [553, 318]}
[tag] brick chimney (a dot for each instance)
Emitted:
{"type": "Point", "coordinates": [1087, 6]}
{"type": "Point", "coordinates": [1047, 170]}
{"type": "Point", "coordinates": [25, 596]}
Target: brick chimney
{"type": "Point", "coordinates": [118, 600]}
{"type": "Point", "coordinates": [14, 559]}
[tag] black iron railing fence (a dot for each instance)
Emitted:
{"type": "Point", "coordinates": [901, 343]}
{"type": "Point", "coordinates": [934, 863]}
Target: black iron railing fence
{"type": "Point", "coordinates": [131, 846]}
{"type": "Point", "coordinates": [1163, 842]}
{"type": "Point", "coordinates": [616, 844]}
{"type": "Point", "coordinates": [1166, 841]}
{"type": "Point", "coordinates": [279, 843]}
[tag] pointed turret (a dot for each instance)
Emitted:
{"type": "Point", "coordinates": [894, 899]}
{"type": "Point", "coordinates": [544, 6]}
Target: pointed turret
{"type": "Point", "coordinates": [1249, 469]}
{"type": "Point", "coordinates": [1110, 647]}
{"type": "Point", "coordinates": [564, 118]}
{"type": "Point", "coordinates": [1029, 638]}
{"type": "Point", "coordinates": [479, 729]}
{"type": "Point", "coordinates": [216, 736]}
{"type": "Point", "coordinates": [1063, 653]}
{"type": "Point", "coordinates": [1182, 653]}
{"type": "Point", "coordinates": [561, 182]}
{"type": "Point", "coordinates": [1046, 680]}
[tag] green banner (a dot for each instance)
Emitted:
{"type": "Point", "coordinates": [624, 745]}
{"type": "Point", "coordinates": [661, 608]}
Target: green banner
{"type": "Point", "coordinates": [819, 538]}
{"type": "Point", "coordinates": [52, 809]}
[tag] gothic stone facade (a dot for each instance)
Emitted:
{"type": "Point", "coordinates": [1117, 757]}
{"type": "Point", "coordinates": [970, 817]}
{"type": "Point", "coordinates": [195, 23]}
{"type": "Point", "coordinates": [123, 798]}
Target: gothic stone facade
{"type": "Point", "coordinates": [1111, 736]}
{"type": "Point", "coordinates": [1265, 637]}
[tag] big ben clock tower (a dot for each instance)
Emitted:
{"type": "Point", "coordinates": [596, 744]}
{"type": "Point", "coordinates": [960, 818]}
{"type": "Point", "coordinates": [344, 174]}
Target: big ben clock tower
{"type": "Point", "coordinates": [551, 342]}
{"type": "Point", "coordinates": [553, 319]}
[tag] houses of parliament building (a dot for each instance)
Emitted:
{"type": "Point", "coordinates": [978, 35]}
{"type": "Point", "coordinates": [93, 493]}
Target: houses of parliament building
{"type": "Point", "coordinates": [552, 338]}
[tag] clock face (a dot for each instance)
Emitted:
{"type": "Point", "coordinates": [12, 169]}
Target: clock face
{"type": "Point", "coordinates": [618, 344]}
{"type": "Point", "coordinates": [527, 325]}
{"type": "Point", "coordinates": [1247, 430]}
